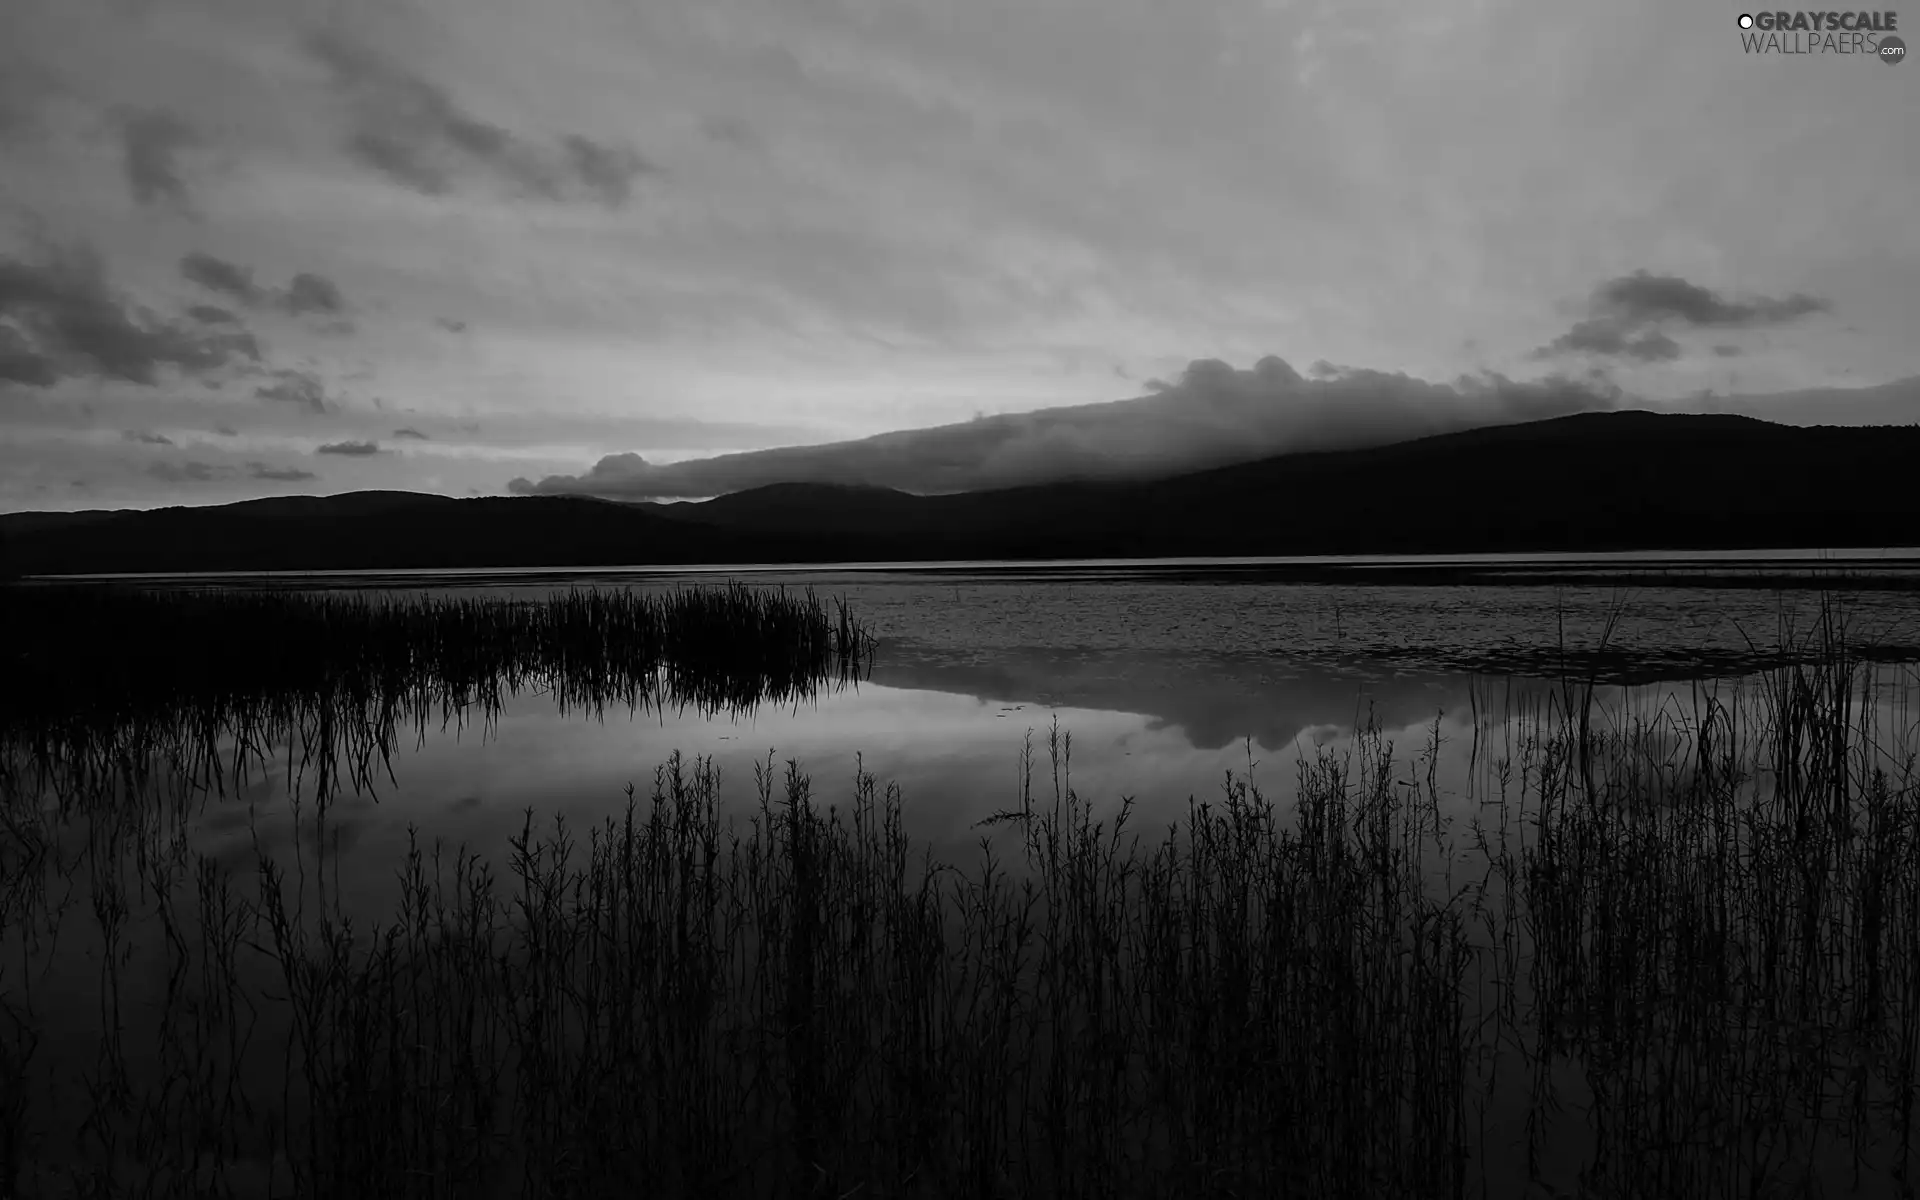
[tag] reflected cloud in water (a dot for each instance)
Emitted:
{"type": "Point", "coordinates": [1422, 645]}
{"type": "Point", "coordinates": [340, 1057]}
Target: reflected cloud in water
{"type": "Point", "coordinates": [951, 736]}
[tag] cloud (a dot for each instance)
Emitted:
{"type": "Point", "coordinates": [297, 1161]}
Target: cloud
{"type": "Point", "coordinates": [354, 449]}
{"type": "Point", "coordinates": [310, 293]}
{"type": "Point", "coordinates": [213, 314]}
{"type": "Point", "coordinates": [60, 319]}
{"type": "Point", "coordinates": [1727, 350]}
{"type": "Point", "coordinates": [1626, 316]}
{"type": "Point", "coordinates": [219, 275]}
{"type": "Point", "coordinates": [1606, 337]}
{"type": "Point", "coordinates": [226, 431]}
{"type": "Point", "coordinates": [606, 170]}
{"type": "Point", "coordinates": [396, 159]}
{"type": "Point", "coordinates": [1644, 297]}
{"type": "Point", "coordinates": [409, 129]}
{"type": "Point", "coordinates": [451, 325]}
{"type": "Point", "coordinates": [21, 363]}
{"type": "Point", "coordinates": [300, 388]}
{"type": "Point", "coordinates": [191, 471]}
{"type": "Point", "coordinates": [260, 470]}
{"type": "Point", "coordinates": [146, 439]}
{"type": "Point", "coordinates": [306, 293]}
{"type": "Point", "coordinates": [150, 145]}
{"type": "Point", "coordinates": [1213, 416]}
{"type": "Point", "coordinates": [411, 433]}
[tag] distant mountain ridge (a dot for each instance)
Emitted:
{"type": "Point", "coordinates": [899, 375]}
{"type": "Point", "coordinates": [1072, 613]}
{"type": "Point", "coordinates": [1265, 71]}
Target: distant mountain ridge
{"type": "Point", "coordinates": [1593, 481]}
{"type": "Point", "coordinates": [1214, 416]}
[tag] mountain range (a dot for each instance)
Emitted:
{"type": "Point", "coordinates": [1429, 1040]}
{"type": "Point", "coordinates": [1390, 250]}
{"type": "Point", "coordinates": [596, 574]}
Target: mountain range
{"type": "Point", "coordinates": [1618, 480]}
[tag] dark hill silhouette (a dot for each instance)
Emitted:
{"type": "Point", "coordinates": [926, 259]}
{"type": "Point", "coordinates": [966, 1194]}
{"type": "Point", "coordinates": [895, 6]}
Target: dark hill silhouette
{"type": "Point", "coordinates": [1596, 481]}
{"type": "Point", "coordinates": [345, 532]}
{"type": "Point", "coordinates": [30, 522]}
{"type": "Point", "coordinates": [351, 504]}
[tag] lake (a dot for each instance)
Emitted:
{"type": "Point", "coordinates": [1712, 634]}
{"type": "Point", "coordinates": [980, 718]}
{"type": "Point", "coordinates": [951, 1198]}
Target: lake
{"type": "Point", "coordinates": [1165, 687]}
{"type": "Point", "coordinates": [1163, 682]}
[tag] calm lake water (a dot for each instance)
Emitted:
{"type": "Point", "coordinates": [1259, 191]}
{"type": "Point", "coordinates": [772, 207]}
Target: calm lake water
{"type": "Point", "coordinates": [1168, 678]}
{"type": "Point", "coordinates": [1165, 683]}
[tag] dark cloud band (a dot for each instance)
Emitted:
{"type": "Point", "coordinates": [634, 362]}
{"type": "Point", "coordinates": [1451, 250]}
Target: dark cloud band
{"type": "Point", "coordinates": [307, 293]}
{"type": "Point", "coordinates": [350, 449]}
{"type": "Point", "coordinates": [1628, 317]}
{"type": "Point", "coordinates": [62, 320]}
{"type": "Point", "coordinates": [411, 130]}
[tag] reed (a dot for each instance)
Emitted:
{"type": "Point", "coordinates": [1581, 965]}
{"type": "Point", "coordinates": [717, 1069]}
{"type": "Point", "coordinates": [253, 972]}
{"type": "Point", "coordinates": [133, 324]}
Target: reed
{"type": "Point", "coordinates": [1675, 956]}
{"type": "Point", "coordinates": [168, 648]}
{"type": "Point", "coordinates": [120, 685]}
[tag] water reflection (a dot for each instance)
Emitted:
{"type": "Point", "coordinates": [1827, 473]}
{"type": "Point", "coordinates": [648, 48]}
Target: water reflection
{"type": "Point", "coordinates": [954, 743]}
{"type": "Point", "coordinates": [1154, 726]}
{"type": "Point", "coordinates": [1216, 701]}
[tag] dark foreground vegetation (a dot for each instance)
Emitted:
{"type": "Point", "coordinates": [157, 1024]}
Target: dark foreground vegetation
{"type": "Point", "coordinates": [118, 664]}
{"type": "Point", "coordinates": [1671, 958]}
{"type": "Point", "coordinates": [1592, 482]}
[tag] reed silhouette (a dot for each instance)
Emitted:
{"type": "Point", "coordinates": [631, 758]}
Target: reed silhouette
{"type": "Point", "coordinates": [120, 679]}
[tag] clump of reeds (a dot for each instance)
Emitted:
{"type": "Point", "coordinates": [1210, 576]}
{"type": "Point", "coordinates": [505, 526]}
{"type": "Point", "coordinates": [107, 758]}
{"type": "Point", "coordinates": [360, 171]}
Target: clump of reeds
{"type": "Point", "coordinates": [104, 653]}
{"type": "Point", "coordinates": [119, 686]}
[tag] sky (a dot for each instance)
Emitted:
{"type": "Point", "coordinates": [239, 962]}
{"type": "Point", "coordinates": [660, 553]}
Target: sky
{"type": "Point", "coordinates": [250, 247]}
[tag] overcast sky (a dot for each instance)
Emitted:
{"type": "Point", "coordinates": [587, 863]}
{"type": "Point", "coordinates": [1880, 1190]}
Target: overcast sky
{"type": "Point", "coordinates": [250, 247]}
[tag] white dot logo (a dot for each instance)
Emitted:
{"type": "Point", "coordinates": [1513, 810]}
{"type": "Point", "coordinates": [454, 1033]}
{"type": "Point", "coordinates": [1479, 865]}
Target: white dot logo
{"type": "Point", "coordinates": [1746, 20]}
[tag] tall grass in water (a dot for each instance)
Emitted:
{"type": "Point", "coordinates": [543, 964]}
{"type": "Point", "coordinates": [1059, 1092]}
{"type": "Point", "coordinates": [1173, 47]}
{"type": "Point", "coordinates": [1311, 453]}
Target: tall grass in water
{"type": "Point", "coordinates": [113, 680]}
{"type": "Point", "coordinates": [165, 649]}
{"type": "Point", "coordinates": [1644, 967]}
